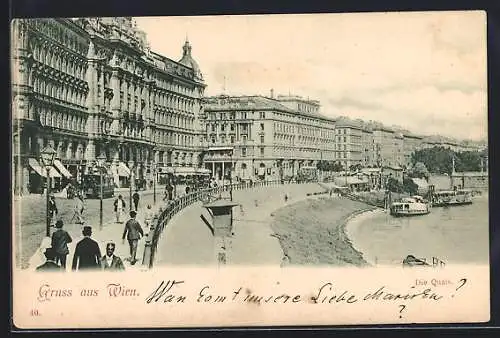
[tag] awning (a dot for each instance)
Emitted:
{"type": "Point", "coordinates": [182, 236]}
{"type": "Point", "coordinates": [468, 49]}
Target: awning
{"type": "Point", "coordinates": [165, 170]}
{"type": "Point", "coordinates": [185, 171]}
{"type": "Point", "coordinates": [123, 170]}
{"type": "Point", "coordinates": [40, 170]}
{"type": "Point", "coordinates": [203, 171]}
{"type": "Point", "coordinates": [62, 169]}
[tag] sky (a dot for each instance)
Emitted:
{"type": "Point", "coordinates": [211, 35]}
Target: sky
{"type": "Point", "coordinates": [425, 72]}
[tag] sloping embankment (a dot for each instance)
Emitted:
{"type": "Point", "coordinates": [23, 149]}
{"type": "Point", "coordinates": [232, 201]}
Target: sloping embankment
{"type": "Point", "coordinates": [311, 232]}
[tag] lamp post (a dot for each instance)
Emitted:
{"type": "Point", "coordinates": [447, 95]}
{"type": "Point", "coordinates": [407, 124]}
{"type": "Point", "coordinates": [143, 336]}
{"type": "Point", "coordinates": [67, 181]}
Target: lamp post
{"type": "Point", "coordinates": [47, 157]}
{"type": "Point", "coordinates": [153, 169]}
{"type": "Point", "coordinates": [101, 161]}
{"type": "Point", "coordinates": [231, 177]}
{"type": "Point", "coordinates": [130, 189]}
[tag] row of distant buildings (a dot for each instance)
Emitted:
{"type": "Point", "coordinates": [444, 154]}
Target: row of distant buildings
{"type": "Point", "coordinates": [92, 86]}
{"type": "Point", "coordinates": [278, 135]}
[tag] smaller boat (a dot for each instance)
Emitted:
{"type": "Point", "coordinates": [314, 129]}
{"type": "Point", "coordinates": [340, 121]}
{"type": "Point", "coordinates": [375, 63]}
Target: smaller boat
{"type": "Point", "coordinates": [410, 206]}
{"type": "Point", "coordinates": [445, 198]}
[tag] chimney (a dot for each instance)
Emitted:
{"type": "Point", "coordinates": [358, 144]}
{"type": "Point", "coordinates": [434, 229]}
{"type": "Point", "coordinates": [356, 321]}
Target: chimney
{"type": "Point", "coordinates": [272, 93]}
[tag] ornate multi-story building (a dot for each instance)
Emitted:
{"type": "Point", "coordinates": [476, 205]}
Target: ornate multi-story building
{"type": "Point", "coordinates": [92, 86]}
{"type": "Point", "coordinates": [267, 137]}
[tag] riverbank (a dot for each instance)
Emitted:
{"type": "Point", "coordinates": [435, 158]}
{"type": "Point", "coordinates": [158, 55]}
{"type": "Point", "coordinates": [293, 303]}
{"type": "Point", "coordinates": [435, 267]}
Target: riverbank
{"type": "Point", "coordinates": [351, 229]}
{"type": "Point", "coordinates": [312, 232]}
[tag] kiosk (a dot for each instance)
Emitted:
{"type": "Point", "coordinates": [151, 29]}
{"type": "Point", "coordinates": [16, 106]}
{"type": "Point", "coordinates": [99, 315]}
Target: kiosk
{"type": "Point", "coordinates": [222, 226]}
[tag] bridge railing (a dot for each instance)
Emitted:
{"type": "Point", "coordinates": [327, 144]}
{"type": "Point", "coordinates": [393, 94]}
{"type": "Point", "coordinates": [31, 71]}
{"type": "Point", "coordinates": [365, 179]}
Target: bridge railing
{"type": "Point", "coordinates": [172, 207]}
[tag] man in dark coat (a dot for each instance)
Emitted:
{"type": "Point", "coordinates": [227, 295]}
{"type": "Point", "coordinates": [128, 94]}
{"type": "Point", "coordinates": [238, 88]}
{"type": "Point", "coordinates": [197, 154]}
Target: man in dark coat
{"type": "Point", "coordinates": [136, 198]}
{"type": "Point", "coordinates": [133, 231]}
{"type": "Point", "coordinates": [87, 254]}
{"type": "Point", "coordinates": [60, 240]}
{"type": "Point", "coordinates": [50, 264]}
{"type": "Point", "coordinates": [110, 261]}
{"type": "Point", "coordinates": [52, 209]}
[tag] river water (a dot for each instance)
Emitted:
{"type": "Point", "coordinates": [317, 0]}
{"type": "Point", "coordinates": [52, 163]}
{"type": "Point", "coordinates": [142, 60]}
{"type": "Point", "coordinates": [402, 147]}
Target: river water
{"type": "Point", "coordinates": [455, 235]}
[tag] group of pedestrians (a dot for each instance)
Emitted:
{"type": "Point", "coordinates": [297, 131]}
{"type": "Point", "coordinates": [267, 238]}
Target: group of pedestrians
{"type": "Point", "coordinates": [87, 255]}
{"type": "Point", "coordinates": [78, 209]}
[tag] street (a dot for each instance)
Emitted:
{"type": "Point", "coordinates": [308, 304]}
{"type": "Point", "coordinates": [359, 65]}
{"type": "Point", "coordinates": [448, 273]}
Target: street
{"type": "Point", "coordinates": [29, 217]}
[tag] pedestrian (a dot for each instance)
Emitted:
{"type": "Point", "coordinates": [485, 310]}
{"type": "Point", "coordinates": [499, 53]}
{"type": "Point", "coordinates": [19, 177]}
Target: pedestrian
{"type": "Point", "coordinates": [136, 198]}
{"type": "Point", "coordinates": [188, 189]}
{"type": "Point", "coordinates": [50, 264]}
{"type": "Point", "coordinates": [168, 190]}
{"type": "Point", "coordinates": [52, 207]}
{"type": "Point", "coordinates": [133, 231]}
{"type": "Point", "coordinates": [78, 209]}
{"type": "Point", "coordinates": [60, 240]}
{"type": "Point", "coordinates": [87, 253]}
{"type": "Point", "coordinates": [148, 217]}
{"type": "Point", "coordinates": [119, 206]}
{"type": "Point", "coordinates": [110, 261]}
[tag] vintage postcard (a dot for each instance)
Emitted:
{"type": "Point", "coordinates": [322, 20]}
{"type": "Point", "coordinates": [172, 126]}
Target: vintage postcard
{"type": "Point", "coordinates": [256, 170]}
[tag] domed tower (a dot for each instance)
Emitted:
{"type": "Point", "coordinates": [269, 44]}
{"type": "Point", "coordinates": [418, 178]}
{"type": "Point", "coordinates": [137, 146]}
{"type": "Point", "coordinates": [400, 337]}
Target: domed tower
{"type": "Point", "coordinates": [188, 61]}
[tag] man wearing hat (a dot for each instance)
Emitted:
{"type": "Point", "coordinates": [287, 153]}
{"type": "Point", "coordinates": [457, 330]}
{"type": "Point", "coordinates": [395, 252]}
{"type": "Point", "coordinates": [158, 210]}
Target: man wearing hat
{"type": "Point", "coordinates": [60, 240]}
{"type": "Point", "coordinates": [133, 231]}
{"type": "Point", "coordinates": [87, 254]}
{"type": "Point", "coordinates": [50, 264]}
{"type": "Point", "coordinates": [52, 209]}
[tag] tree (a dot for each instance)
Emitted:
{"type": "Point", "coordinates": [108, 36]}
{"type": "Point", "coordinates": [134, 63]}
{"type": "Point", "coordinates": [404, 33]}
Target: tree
{"type": "Point", "coordinates": [468, 161]}
{"type": "Point", "coordinates": [409, 186]}
{"type": "Point", "coordinates": [419, 170]}
{"type": "Point", "coordinates": [394, 185]}
{"type": "Point", "coordinates": [338, 167]}
{"type": "Point", "coordinates": [355, 167]}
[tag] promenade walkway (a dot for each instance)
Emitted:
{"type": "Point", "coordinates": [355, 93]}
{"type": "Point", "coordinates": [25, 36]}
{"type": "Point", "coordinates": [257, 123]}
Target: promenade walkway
{"type": "Point", "coordinates": [187, 239]}
{"type": "Point", "coordinates": [111, 232]}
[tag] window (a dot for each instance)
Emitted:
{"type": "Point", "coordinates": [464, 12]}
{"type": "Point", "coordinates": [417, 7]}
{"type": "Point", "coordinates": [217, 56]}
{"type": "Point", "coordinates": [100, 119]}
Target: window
{"type": "Point", "coordinates": [262, 126]}
{"type": "Point", "coordinates": [232, 116]}
{"type": "Point", "coordinates": [261, 138]}
{"type": "Point", "coordinates": [223, 127]}
{"type": "Point", "coordinates": [232, 139]}
{"type": "Point", "coordinates": [243, 152]}
{"type": "Point", "coordinates": [345, 139]}
{"type": "Point", "coordinates": [213, 140]}
{"type": "Point", "coordinates": [232, 127]}
{"type": "Point", "coordinates": [261, 151]}
{"type": "Point", "coordinates": [213, 127]}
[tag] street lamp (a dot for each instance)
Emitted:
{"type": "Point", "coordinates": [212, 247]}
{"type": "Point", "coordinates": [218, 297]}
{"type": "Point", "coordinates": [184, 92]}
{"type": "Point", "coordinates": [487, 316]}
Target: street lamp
{"type": "Point", "coordinates": [130, 188]}
{"type": "Point", "coordinates": [231, 177]}
{"type": "Point", "coordinates": [101, 160]}
{"type": "Point", "coordinates": [153, 169]}
{"type": "Point", "coordinates": [47, 157]}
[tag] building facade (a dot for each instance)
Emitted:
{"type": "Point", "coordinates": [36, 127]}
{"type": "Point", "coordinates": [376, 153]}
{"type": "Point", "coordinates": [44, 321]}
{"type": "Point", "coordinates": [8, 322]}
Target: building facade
{"type": "Point", "coordinates": [92, 86]}
{"type": "Point", "coordinates": [349, 143]}
{"type": "Point", "coordinates": [411, 143]}
{"type": "Point", "coordinates": [263, 138]}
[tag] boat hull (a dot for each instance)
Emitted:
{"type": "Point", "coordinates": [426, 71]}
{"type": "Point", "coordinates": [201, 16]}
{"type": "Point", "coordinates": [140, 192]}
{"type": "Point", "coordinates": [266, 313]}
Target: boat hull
{"type": "Point", "coordinates": [451, 204]}
{"type": "Point", "coordinates": [409, 214]}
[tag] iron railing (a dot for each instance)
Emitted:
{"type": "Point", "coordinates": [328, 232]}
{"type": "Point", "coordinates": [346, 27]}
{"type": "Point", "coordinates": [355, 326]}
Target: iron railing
{"type": "Point", "coordinates": [172, 207]}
